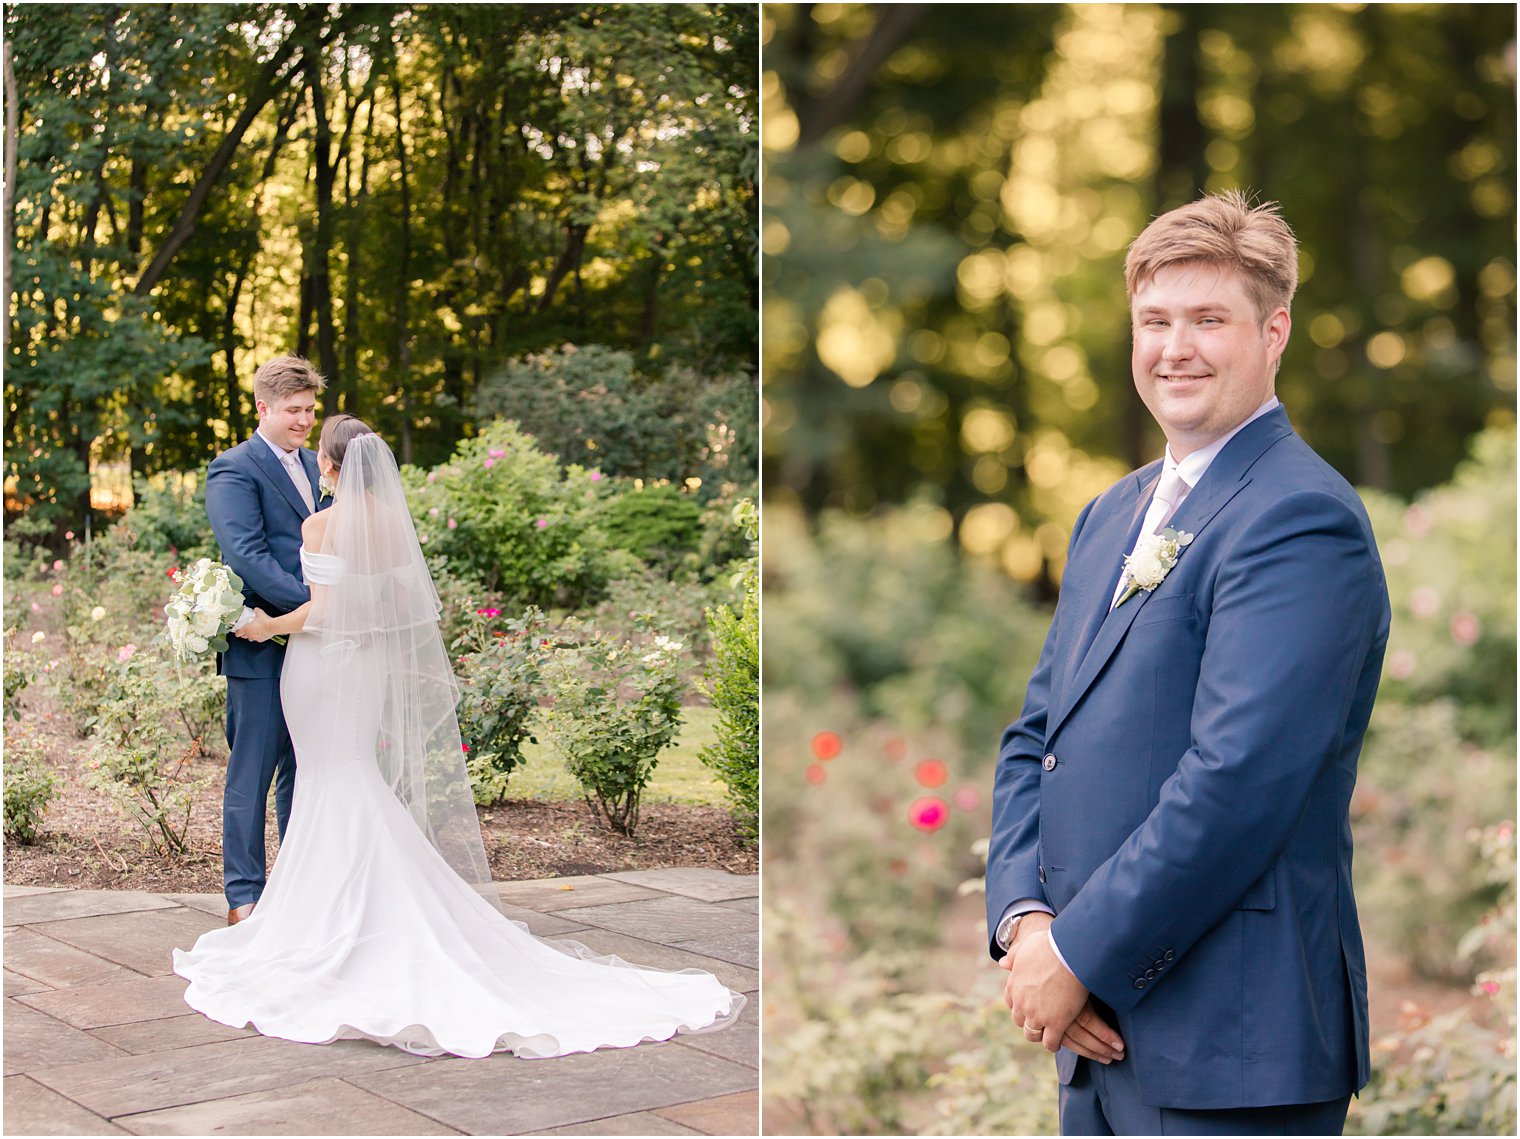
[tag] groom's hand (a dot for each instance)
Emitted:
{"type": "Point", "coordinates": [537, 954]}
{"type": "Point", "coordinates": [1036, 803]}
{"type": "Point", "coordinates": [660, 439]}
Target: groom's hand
{"type": "Point", "coordinates": [1044, 995]}
{"type": "Point", "coordinates": [257, 629]}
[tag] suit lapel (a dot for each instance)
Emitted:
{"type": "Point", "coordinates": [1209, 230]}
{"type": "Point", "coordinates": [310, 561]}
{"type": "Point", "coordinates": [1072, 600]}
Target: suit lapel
{"type": "Point", "coordinates": [274, 470]}
{"type": "Point", "coordinates": [1117, 534]}
{"type": "Point", "coordinates": [313, 475]}
{"type": "Point", "coordinates": [1227, 475]}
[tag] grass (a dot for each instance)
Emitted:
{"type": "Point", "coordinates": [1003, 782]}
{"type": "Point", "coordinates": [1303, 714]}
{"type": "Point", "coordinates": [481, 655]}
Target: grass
{"type": "Point", "coordinates": [679, 777]}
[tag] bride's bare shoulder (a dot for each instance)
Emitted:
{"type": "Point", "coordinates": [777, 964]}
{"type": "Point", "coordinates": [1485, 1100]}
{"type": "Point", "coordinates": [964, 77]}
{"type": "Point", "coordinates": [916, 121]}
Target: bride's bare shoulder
{"type": "Point", "coordinates": [313, 529]}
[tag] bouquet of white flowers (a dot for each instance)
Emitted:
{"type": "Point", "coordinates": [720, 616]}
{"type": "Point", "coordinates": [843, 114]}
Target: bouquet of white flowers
{"type": "Point", "coordinates": [203, 609]}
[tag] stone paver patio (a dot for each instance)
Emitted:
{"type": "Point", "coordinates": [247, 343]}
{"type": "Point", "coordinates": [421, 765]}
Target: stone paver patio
{"type": "Point", "coordinates": [98, 1040]}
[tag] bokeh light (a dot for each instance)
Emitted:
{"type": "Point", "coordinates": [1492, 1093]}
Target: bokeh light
{"type": "Point", "coordinates": [931, 773]}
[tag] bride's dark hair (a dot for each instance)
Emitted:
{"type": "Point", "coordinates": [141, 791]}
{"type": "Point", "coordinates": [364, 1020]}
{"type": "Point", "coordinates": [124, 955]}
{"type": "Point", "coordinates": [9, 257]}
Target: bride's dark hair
{"type": "Point", "coordinates": [338, 431]}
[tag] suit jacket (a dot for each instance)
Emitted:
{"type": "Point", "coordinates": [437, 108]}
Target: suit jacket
{"type": "Point", "coordinates": [256, 514]}
{"type": "Point", "coordinates": [1177, 785]}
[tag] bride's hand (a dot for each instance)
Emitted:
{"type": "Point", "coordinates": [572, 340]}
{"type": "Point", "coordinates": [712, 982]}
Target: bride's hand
{"type": "Point", "coordinates": [256, 629]}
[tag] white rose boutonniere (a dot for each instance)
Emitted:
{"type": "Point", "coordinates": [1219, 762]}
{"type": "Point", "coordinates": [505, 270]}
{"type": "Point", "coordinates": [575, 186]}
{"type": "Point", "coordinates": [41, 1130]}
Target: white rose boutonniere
{"type": "Point", "coordinates": [1153, 558]}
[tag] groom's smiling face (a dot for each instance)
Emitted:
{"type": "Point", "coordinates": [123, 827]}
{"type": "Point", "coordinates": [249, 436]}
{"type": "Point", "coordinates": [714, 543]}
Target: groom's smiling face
{"type": "Point", "coordinates": [288, 420]}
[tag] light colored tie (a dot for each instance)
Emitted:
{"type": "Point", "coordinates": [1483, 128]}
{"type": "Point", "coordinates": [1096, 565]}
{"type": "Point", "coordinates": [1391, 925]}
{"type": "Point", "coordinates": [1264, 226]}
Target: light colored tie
{"type": "Point", "coordinates": [1170, 492]}
{"type": "Point", "coordinates": [293, 467]}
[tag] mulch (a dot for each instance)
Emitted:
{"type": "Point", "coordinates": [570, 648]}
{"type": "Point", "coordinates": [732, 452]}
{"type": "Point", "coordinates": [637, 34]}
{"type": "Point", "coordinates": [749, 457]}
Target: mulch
{"type": "Point", "coordinates": [524, 839]}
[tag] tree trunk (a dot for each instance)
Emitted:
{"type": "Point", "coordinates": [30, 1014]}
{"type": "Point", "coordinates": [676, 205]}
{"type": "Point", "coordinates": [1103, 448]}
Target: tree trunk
{"type": "Point", "coordinates": [12, 135]}
{"type": "Point", "coordinates": [575, 246]}
{"type": "Point", "coordinates": [321, 252]}
{"type": "Point", "coordinates": [402, 300]}
{"type": "Point", "coordinates": [348, 389]}
{"type": "Point", "coordinates": [263, 90]}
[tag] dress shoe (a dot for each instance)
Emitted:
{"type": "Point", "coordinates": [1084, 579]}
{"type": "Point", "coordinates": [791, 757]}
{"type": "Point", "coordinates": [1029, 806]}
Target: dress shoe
{"type": "Point", "coordinates": [238, 913]}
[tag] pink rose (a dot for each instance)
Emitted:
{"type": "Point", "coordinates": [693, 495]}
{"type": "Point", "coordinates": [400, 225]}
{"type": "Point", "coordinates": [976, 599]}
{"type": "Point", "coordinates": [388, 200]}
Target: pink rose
{"type": "Point", "coordinates": [489, 463]}
{"type": "Point", "coordinates": [126, 652]}
{"type": "Point", "coordinates": [543, 523]}
{"type": "Point", "coordinates": [929, 813]}
{"type": "Point", "coordinates": [452, 524]}
{"type": "Point", "coordinates": [596, 476]}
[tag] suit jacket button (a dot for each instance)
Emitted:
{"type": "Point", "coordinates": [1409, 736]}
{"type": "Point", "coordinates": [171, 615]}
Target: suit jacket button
{"type": "Point", "coordinates": [1139, 982]}
{"type": "Point", "coordinates": [1150, 974]}
{"type": "Point", "coordinates": [1050, 762]}
{"type": "Point", "coordinates": [1168, 955]}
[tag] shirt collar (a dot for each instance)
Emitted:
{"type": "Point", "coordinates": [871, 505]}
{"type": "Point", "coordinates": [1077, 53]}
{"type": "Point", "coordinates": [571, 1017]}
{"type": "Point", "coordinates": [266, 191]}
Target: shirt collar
{"type": "Point", "coordinates": [1193, 467]}
{"type": "Point", "coordinates": [279, 452]}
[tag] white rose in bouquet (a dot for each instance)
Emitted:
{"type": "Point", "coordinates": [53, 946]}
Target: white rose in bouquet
{"type": "Point", "coordinates": [203, 610]}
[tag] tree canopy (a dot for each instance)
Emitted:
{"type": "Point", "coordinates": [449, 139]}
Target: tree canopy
{"type": "Point", "coordinates": [411, 195]}
{"type": "Point", "coordinates": [950, 191]}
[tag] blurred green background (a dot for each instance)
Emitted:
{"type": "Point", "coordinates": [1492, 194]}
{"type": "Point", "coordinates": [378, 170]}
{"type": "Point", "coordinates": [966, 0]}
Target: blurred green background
{"type": "Point", "coordinates": [949, 191]}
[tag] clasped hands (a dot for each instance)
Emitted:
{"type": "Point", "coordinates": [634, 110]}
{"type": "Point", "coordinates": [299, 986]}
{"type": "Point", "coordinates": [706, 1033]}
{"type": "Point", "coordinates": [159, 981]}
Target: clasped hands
{"type": "Point", "coordinates": [1052, 1006]}
{"type": "Point", "coordinates": [257, 629]}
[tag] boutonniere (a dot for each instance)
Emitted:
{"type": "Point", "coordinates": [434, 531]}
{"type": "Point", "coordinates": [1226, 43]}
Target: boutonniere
{"type": "Point", "coordinates": [1153, 558]}
{"type": "Point", "coordinates": [325, 487]}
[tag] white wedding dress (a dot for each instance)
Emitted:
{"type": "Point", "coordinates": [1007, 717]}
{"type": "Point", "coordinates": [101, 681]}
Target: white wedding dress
{"type": "Point", "coordinates": [365, 931]}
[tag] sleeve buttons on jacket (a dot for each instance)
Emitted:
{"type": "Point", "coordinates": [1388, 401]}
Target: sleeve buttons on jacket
{"type": "Point", "coordinates": [1139, 982]}
{"type": "Point", "coordinates": [1050, 761]}
{"type": "Point", "coordinates": [1168, 955]}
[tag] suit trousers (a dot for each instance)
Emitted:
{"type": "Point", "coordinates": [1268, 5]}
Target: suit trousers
{"type": "Point", "coordinates": [260, 753]}
{"type": "Point", "coordinates": [1104, 1099]}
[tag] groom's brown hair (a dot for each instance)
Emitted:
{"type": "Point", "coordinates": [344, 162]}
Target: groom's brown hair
{"type": "Point", "coordinates": [1222, 229]}
{"type": "Point", "coordinates": [285, 376]}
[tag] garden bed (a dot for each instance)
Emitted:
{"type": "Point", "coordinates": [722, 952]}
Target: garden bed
{"type": "Point", "coordinates": [86, 843]}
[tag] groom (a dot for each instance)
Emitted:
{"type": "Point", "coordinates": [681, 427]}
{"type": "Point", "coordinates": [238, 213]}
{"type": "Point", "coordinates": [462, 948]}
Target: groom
{"type": "Point", "coordinates": [257, 495]}
{"type": "Point", "coordinates": [1169, 880]}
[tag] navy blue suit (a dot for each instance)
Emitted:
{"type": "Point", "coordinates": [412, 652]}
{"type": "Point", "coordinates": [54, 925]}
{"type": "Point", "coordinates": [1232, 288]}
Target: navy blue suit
{"type": "Point", "coordinates": [256, 513]}
{"type": "Point", "coordinates": [1177, 785]}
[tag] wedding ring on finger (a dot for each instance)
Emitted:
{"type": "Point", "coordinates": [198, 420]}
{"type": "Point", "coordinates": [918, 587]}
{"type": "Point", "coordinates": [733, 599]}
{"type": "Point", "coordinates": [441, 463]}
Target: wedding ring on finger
{"type": "Point", "coordinates": [1032, 1034]}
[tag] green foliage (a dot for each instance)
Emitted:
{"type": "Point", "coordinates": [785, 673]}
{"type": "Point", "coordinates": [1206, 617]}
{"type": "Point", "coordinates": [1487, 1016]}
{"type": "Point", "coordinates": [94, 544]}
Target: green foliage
{"type": "Point", "coordinates": [20, 671]}
{"type": "Point", "coordinates": [591, 405]}
{"type": "Point", "coordinates": [886, 608]}
{"type": "Point", "coordinates": [503, 513]}
{"type": "Point", "coordinates": [499, 665]}
{"type": "Point", "coordinates": [1453, 592]}
{"type": "Point", "coordinates": [611, 188]}
{"type": "Point", "coordinates": [733, 686]}
{"type": "Point", "coordinates": [154, 789]}
{"type": "Point", "coordinates": [642, 598]}
{"type": "Point", "coordinates": [168, 518]}
{"type": "Point", "coordinates": [29, 787]}
{"type": "Point", "coordinates": [616, 707]}
{"type": "Point", "coordinates": [1417, 888]}
{"type": "Point", "coordinates": [657, 524]}
{"type": "Point", "coordinates": [1454, 1073]}
{"type": "Point", "coordinates": [1448, 689]}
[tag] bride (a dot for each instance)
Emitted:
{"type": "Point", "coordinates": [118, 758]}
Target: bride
{"type": "Point", "coordinates": [379, 920]}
